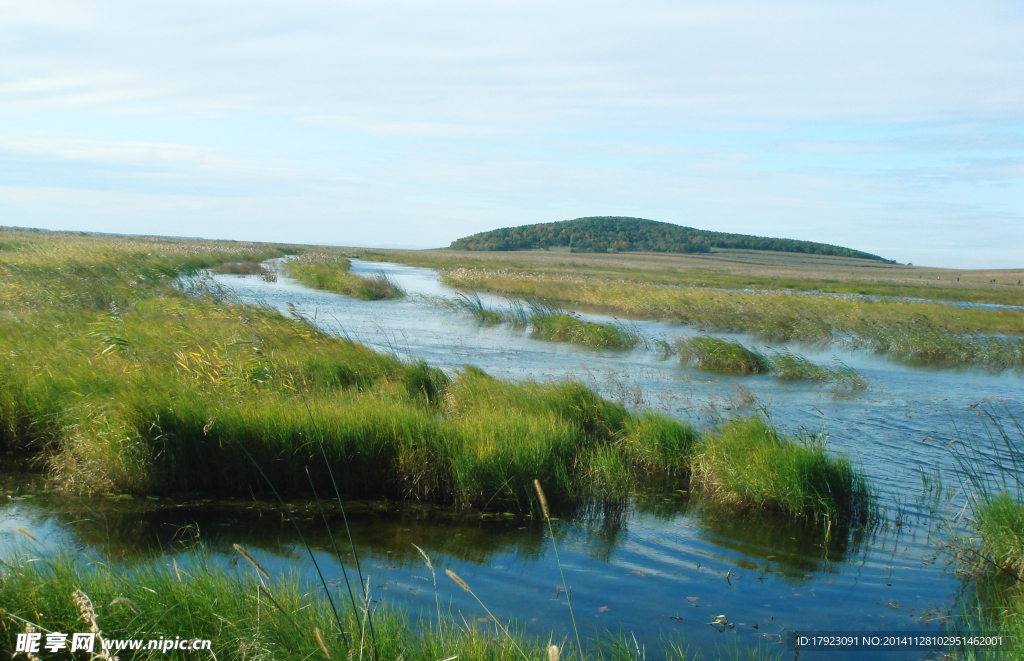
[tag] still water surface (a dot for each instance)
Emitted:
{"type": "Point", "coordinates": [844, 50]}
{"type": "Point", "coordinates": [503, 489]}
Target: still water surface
{"type": "Point", "coordinates": [663, 568]}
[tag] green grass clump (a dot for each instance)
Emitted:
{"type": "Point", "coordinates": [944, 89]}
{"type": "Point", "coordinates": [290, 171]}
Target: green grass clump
{"type": "Point", "coordinates": [569, 327]}
{"type": "Point", "coordinates": [999, 519]}
{"type": "Point", "coordinates": [749, 463]}
{"type": "Point", "coordinates": [714, 353]}
{"type": "Point", "coordinates": [549, 322]}
{"type": "Point", "coordinates": [243, 615]}
{"type": "Point", "coordinates": [659, 444]}
{"type": "Point", "coordinates": [332, 273]}
{"type": "Point", "coordinates": [990, 459]}
{"type": "Point", "coordinates": [991, 467]}
{"type": "Point", "coordinates": [791, 366]}
{"type": "Point", "coordinates": [471, 304]}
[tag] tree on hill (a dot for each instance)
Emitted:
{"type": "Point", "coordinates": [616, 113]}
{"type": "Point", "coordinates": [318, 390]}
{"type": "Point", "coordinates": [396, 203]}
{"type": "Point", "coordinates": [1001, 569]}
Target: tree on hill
{"type": "Point", "coordinates": [622, 234]}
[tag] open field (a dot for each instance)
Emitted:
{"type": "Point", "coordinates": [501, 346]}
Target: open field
{"type": "Point", "coordinates": [738, 269]}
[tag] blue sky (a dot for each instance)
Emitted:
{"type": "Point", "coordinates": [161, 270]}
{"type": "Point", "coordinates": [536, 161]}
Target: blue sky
{"type": "Point", "coordinates": [891, 127]}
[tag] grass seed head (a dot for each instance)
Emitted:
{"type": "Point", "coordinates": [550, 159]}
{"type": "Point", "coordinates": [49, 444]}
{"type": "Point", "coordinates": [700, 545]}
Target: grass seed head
{"type": "Point", "coordinates": [455, 577]}
{"type": "Point", "coordinates": [543, 499]}
{"type": "Point", "coordinates": [252, 561]}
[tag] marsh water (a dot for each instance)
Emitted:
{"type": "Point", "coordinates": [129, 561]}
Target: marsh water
{"type": "Point", "coordinates": [663, 567]}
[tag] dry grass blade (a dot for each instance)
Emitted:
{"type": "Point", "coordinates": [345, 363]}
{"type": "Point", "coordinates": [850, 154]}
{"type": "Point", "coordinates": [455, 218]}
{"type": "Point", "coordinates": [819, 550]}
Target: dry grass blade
{"type": "Point", "coordinates": [85, 607]}
{"type": "Point", "coordinates": [252, 561]}
{"type": "Point", "coordinates": [433, 577]}
{"type": "Point", "coordinates": [426, 558]}
{"type": "Point", "coordinates": [31, 628]}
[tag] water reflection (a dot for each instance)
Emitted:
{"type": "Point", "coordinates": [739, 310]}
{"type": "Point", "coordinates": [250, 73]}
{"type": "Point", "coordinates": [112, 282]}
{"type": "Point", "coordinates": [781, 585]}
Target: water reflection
{"type": "Point", "coordinates": [769, 543]}
{"type": "Point", "coordinates": [142, 528]}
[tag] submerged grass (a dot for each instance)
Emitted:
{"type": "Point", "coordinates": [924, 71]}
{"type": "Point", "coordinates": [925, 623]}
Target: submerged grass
{"type": "Point", "coordinates": [333, 273]}
{"type": "Point", "coordinates": [550, 322]}
{"type": "Point", "coordinates": [788, 365]}
{"type": "Point", "coordinates": [749, 463]}
{"type": "Point", "coordinates": [905, 329]}
{"type": "Point", "coordinates": [724, 355]}
{"type": "Point", "coordinates": [712, 353]}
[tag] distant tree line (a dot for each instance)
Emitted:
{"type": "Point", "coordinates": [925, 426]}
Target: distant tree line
{"type": "Point", "coordinates": [621, 234]}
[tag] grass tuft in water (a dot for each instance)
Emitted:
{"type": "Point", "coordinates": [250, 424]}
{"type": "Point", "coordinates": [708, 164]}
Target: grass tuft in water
{"type": "Point", "coordinates": [550, 322]}
{"type": "Point", "coordinates": [999, 519]}
{"type": "Point", "coordinates": [749, 463]}
{"type": "Point", "coordinates": [713, 353]}
{"type": "Point", "coordinates": [333, 273]}
{"type": "Point", "coordinates": [791, 366]}
{"type": "Point", "coordinates": [720, 355]}
{"type": "Point", "coordinates": [990, 467]}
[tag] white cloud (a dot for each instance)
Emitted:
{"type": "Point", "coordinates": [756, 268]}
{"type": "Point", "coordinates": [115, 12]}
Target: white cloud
{"type": "Point", "coordinates": [532, 61]}
{"type": "Point", "coordinates": [862, 123]}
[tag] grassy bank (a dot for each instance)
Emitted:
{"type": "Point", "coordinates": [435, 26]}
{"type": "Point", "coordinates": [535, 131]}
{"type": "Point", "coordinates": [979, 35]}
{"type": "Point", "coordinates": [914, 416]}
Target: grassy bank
{"type": "Point", "coordinates": [906, 329]}
{"type": "Point", "coordinates": [139, 388]}
{"type": "Point", "coordinates": [59, 271]}
{"type": "Point", "coordinates": [135, 387]}
{"type": "Point", "coordinates": [333, 273]}
{"type": "Point", "coordinates": [247, 615]}
{"type": "Point", "coordinates": [175, 394]}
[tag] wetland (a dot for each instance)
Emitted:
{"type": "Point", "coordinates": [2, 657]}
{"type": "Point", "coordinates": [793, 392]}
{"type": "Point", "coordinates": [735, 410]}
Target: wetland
{"type": "Point", "coordinates": [152, 409]}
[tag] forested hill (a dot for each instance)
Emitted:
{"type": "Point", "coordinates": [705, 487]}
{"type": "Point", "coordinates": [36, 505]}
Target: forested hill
{"type": "Point", "coordinates": [621, 234]}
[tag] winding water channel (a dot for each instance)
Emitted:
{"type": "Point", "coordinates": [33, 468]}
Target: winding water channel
{"type": "Point", "coordinates": [665, 567]}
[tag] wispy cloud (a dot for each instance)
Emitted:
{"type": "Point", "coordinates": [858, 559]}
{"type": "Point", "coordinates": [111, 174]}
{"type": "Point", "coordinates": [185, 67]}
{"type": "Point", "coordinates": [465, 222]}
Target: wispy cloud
{"type": "Point", "coordinates": [860, 122]}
